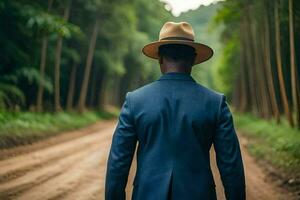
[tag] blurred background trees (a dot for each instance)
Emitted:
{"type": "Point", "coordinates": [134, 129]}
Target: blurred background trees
{"type": "Point", "coordinates": [74, 54]}
{"type": "Point", "coordinates": [263, 37]}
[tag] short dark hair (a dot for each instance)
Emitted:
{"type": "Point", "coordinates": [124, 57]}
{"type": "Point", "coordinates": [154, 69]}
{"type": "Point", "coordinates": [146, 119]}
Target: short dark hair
{"type": "Point", "coordinates": [178, 52]}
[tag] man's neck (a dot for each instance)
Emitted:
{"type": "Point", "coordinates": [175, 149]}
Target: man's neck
{"type": "Point", "coordinates": [174, 68]}
{"type": "Point", "coordinates": [168, 66]}
{"type": "Point", "coordinates": [177, 70]}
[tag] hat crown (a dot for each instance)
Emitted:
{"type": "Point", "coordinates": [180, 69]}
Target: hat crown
{"type": "Point", "coordinates": [177, 30]}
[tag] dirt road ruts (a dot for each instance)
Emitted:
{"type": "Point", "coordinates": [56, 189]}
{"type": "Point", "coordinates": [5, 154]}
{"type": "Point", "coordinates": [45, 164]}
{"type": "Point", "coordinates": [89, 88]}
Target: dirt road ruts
{"type": "Point", "coordinates": [72, 166]}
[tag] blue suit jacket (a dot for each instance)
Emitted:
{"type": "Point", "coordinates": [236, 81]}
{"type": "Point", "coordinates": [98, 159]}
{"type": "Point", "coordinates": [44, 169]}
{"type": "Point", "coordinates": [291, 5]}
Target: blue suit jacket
{"type": "Point", "coordinates": [175, 122]}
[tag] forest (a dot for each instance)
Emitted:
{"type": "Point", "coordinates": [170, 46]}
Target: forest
{"type": "Point", "coordinates": [74, 54]}
{"type": "Point", "coordinates": [260, 67]}
{"type": "Point", "coordinates": [67, 65]}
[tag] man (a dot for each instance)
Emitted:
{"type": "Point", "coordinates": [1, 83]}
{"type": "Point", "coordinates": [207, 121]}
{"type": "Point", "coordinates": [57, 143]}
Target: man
{"type": "Point", "coordinates": [175, 122]}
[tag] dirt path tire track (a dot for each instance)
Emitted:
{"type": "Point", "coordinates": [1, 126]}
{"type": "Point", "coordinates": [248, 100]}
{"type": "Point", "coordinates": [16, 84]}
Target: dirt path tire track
{"type": "Point", "coordinates": [18, 166]}
{"type": "Point", "coordinates": [61, 138]}
{"type": "Point", "coordinates": [66, 182]}
{"type": "Point", "coordinates": [55, 170]}
{"type": "Point", "coordinates": [43, 174]}
{"type": "Point", "coordinates": [71, 168]}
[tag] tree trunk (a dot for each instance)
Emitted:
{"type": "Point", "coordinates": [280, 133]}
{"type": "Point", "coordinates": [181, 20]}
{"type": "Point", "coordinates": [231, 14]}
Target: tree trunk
{"type": "Point", "coordinates": [83, 91]}
{"type": "Point", "coordinates": [243, 66]}
{"type": "Point", "coordinates": [39, 105]}
{"type": "Point", "coordinates": [71, 91]}
{"type": "Point", "coordinates": [262, 73]}
{"type": "Point", "coordinates": [57, 105]}
{"type": "Point", "coordinates": [258, 73]}
{"type": "Point", "coordinates": [269, 73]}
{"type": "Point", "coordinates": [39, 102]}
{"type": "Point", "coordinates": [244, 89]}
{"type": "Point", "coordinates": [101, 92]}
{"type": "Point", "coordinates": [258, 68]}
{"type": "Point", "coordinates": [251, 77]}
{"type": "Point", "coordinates": [294, 73]}
{"type": "Point", "coordinates": [93, 88]}
{"type": "Point", "coordinates": [238, 94]}
{"type": "Point", "coordinates": [279, 68]}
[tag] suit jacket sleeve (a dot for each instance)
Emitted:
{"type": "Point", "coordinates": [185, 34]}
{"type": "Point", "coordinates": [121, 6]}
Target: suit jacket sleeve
{"type": "Point", "coordinates": [121, 154]}
{"type": "Point", "coordinates": [228, 154]}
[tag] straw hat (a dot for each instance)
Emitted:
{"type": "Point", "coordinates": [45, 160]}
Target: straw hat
{"type": "Point", "coordinates": [178, 33]}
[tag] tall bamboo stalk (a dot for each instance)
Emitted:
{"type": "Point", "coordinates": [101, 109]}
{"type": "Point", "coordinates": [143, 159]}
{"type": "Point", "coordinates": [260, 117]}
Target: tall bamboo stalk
{"type": "Point", "coordinates": [284, 99]}
{"type": "Point", "coordinates": [243, 69]}
{"type": "Point", "coordinates": [294, 73]}
{"type": "Point", "coordinates": [250, 64]}
{"type": "Point", "coordinates": [71, 91]}
{"type": "Point", "coordinates": [57, 105]}
{"type": "Point", "coordinates": [40, 93]}
{"type": "Point", "coordinates": [84, 86]}
{"type": "Point", "coordinates": [269, 73]}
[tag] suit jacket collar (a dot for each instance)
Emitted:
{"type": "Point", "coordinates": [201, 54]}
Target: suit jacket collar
{"type": "Point", "coordinates": [176, 76]}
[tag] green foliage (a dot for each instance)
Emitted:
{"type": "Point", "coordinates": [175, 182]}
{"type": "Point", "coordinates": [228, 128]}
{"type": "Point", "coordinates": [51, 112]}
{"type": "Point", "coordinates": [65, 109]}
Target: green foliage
{"type": "Point", "coordinates": [72, 54]}
{"type": "Point", "coordinates": [257, 40]}
{"type": "Point", "coordinates": [225, 73]}
{"type": "Point", "coordinates": [152, 22]}
{"type": "Point", "coordinates": [33, 77]}
{"type": "Point", "coordinates": [277, 144]}
{"type": "Point", "coordinates": [48, 23]}
{"type": "Point", "coordinates": [108, 64]}
{"type": "Point", "coordinates": [228, 13]}
{"type": "Point", "coordinates": [10, 95]}
{"type": "Point", "coordinates": [124, 27]}
{"type": "Point", "coordinates": [201, 20]}
{"type": "Point", "coordinates": [18, 128]}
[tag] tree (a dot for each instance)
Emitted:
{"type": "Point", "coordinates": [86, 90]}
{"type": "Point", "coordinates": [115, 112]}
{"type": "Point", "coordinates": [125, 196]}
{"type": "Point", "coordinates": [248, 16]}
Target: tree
{"type": "Point", "coordinates": [294, 73]}
{"type": "Point", "coordinates": [269, 87]}
{"type": "Point", "coordinates": [284, 98]}
{"type": "Point", "coordinates": [71, 91]}
{"type": "Point", "coordinates": [57, 105]}
{"type": "Point", "coordinates": [39, 104]}
{"type": "Point", "coordinates": [257, 68]}
{"type": "Point", "coordinates": [269, 73]}
{"type": "Point", "coordinates": [89, 59]}
{"type": "Point", "coordinates": [38, 36]}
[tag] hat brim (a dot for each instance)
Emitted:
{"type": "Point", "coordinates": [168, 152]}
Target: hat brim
{"type": "Point", "coordinates": [203, 52]}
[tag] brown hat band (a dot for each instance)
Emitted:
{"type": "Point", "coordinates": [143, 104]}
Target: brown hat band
{"type": "Point", "coordinates": [176, 38]}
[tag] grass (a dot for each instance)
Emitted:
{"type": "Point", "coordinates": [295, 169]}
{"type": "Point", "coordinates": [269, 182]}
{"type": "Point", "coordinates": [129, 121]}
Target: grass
{"type": "Point", "coordinates": [17, 128]}
{"type": "Point", "coordinates": [277, 144]}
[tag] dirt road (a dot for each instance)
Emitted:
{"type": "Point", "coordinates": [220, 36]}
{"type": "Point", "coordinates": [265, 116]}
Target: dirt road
{"type": "Point", "coordinates": [72, 166]}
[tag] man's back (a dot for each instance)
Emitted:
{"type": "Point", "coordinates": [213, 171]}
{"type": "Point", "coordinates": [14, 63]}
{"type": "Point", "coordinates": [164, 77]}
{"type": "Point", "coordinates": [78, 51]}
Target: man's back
{"type": "Point", "coordinates": [175, 120]}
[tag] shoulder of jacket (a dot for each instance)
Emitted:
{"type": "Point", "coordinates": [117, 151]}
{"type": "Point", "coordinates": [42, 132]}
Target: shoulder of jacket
{"type": "Point", "coordinates": [140, 90]}
{"type": "Point", "coordinates": [213, 94]}
{"type": "Point", "coordinates": [209, 91]}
